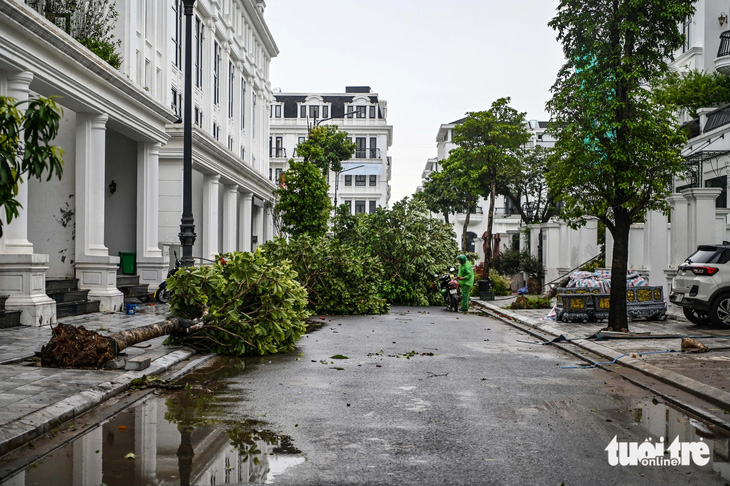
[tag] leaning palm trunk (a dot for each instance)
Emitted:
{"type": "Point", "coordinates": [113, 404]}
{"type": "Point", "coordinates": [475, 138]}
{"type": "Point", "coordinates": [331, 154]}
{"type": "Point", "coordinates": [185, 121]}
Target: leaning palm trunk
{"type": "Point", "coordinates": [77, 347]}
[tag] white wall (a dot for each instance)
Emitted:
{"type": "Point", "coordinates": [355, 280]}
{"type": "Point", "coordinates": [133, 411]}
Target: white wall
{"type": "Point", "coordinates": [120, 208]}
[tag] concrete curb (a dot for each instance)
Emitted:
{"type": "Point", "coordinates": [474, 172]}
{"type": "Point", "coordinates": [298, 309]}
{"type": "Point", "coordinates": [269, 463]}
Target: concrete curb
{"type": "Point", "coordinates": [37, 423]}
{"type": "Point", "coordinates": [706, 392]}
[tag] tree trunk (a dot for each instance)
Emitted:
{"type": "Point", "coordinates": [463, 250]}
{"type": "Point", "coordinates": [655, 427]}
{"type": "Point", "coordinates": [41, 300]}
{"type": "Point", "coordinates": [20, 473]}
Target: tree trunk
{"type": "Point", "coordinates": [465, 228]}
{"type": "Point", "coordinates": [77, 347]}
{"type": "Point", "coordinates": [617, 315]}
{"type": "Point", "coordinates": [488, 253]}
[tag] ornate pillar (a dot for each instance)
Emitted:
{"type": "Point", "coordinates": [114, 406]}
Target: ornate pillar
{"type": "Point", "coordinates": [151, 265]}
{"type": "Point", "coordinates": [96, 270]}
{"type": "Point", "coordinates": [678, 235]}
{"type": "Point", "coordinates": [211, 185]}
{"type": "Point", "coordinates": [22, 272]}
{"type": "Point", "coordinates": [230, 219]}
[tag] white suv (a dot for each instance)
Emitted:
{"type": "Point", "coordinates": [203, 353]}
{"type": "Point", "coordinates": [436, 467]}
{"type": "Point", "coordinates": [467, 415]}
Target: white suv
{"type": "Point", "coordinates": [702, 285]}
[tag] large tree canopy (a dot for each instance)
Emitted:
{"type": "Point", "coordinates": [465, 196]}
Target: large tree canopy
{"type": "Point", "coordinates": [488, 144]}
{"type": "Point", "coordinates": [303, 205]}
{"type": "Point", "coordinates": [326, 147]}
{"type": "Point", "coordinates": [617, 148]}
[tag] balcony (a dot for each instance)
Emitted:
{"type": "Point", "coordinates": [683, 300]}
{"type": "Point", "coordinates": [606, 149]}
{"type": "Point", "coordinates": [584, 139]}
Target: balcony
{"type": "Point", "coordinates": [277, 153]}
{"type": "Point", "coordinates": [722, 61]}
{"type": "Point", "coordinates": [475, 218]}
{"type": "Point", "coordinates": [373, 153]}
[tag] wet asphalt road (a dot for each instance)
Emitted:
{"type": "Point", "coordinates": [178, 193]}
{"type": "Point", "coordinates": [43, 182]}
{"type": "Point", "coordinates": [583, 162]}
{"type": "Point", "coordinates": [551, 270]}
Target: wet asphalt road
{"type": "Point", "coordinates": [483, 409]}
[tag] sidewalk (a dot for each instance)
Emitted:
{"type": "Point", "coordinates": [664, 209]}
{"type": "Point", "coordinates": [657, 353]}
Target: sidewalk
{"type": "Point", "coordinates": [705, 375]}
{"type": "Point", "coordinates": [33, 400]}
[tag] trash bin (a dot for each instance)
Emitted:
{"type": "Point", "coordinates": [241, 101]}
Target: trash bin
{"type": "Point", "coordinates": [127, 261]}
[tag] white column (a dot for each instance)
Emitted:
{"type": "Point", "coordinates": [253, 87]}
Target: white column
{"type": "Point", "coordinates": [678, 235]}
{"type": "Point", "coordinates": [86, 466]}
{"type": "Point", "coordinates": [551, 249]}
{"type": "Point", "coordinates": [701, 214]}
{"type": "Point", "coordinates": [656, 247]}
{"type": "Point", "coordinates": [230, 219]}
{"type": "Point", "coordinates": [245, 203]}
{"type": "Point", "coordinates": [15, 234]}
{"type": "Point", "coordinates": [96, 270]}
{"type": "Point", "coordinates": [22, 272]}
{"type": "Point", "coordinates": [151, 265]}
{"type": "Point", "coordinates": [211, 185]}
{"type": "Point", "coordinates": [260, 216]}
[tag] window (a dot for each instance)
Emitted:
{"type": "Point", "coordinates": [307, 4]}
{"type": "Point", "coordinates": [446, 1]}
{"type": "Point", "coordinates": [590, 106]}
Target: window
{"type": "Point", "coordinates": [350, 112]}
{"type": "Point", "coordinates": [177, 34]}
{"type": "Point", "coordinates": [230, 143]}
{"type": "Point", "coordinates": [198, 118]}
{"type": "Point", "coordinates": [216, 130]}
{"type": "Point", "coordinates": [373, 180]}
{"type": "Point", "coordinates": [360, 180]}
{"type": "Point", "coordinates": [360, 111]}
{"type": "Point", "coordinates": [361, 149]}
{"type": "Point", "coordinates": [349, 206]}
{"type": "Point", "coordinates": [313, 112]}
{"type": "Point", "coordinates": [243, 103]}
{"type": "Point", "coordinates": [687, 33]}
{"type": "Point", "coordinates": [243, 153]}
{"type": "Point", "coordinates": [216, 72]}
{"type": "Point", "coordinates": [271, 173]}
{"type": "Point", "coordinates": [301, 140]}
{"type": "Point", "coordinates": [176, 102]}
{"type": "Point", "coordinates": [279, 173]}
{"type": "Point", "coordinates": [231, 72]}
{"type": "Point", "coordinates": [253, 117]}
{"type": "Point", "coordinates": [198, 52]}
{"type": "Point", "coordinates": [374, 147]}
{"type": "Point", "coordinates": [303, 111]}
{"type": "Point", "coordinates": [279, 147]}
{"type": "Point", "coordinates": [372, 111]}
{"type": "Point", "coordinates": [348, 180]}
{"type": "Point", "coordinates": [359, 207]}
{"type": "Point", "coordinates": [325, 111]}
{"type": "Point", "coordinates": [373, 206]}
{"type": "Point", "coordinates": [277, 111]}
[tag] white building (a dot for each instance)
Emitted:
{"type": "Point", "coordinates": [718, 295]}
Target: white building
{"type": "Point", "coordinates": [122, 184]}
{"type": "Point", "coordinates": [364, 183]}
{"type": "Point", "coordinates": [507, 222]}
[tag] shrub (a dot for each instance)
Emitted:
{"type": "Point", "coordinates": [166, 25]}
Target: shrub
{"type": "Point", "coordinates": [523, 302]}
{"type": "Point", "coordinates": [508, 262]}
{"type": "Point", "coordinates": [339, 278]}
{"type": "Point", "coordinates": [254, 306]}
{"type": "Point", "coordinates": [500, 284]}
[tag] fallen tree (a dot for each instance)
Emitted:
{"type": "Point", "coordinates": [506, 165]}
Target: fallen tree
{"type": "Point", "coordinates": [78, 347]}
{"type": "Point", "coordinates": [241, 305]}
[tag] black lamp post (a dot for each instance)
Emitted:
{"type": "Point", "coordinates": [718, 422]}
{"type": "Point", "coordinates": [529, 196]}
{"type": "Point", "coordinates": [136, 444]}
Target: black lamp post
{"type": "Point", "coordinates": [187, 223]}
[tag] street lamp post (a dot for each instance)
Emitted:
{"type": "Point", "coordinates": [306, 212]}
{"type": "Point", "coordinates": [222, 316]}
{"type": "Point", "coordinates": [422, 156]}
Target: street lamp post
{"type": "Point", "coordinates": [317, 122]}
{"type": "Point", "coordinates": [337, 179]}
{"type": "Point", "coordinates": [187, 222]}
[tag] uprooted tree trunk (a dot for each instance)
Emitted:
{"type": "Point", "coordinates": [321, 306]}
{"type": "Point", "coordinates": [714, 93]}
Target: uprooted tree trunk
{"type": "Point", "coordinates": [77, 347]}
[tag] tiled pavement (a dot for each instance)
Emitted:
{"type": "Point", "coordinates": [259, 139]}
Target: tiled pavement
{"type": "Point", "coordinates": [34, 399]}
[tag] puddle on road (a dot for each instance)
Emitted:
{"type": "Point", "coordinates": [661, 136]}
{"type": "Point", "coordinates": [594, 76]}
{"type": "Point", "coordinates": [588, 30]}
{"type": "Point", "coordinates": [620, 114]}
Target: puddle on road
{"type": "Point", "coordinates": [662, 420]}
{"type": "Point", "coordinates": [190, 436]}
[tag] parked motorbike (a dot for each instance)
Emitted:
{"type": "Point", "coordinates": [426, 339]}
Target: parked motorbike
{"type": "Point", "coordinates": [450, 290]}
{"type": "Point", "coordinates": [162, 294]}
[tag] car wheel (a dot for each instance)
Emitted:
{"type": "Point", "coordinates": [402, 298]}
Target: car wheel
{"type": "Point", "coordinates": [720, 311]}
{"type": "Point", "coordinates": [696, 317]}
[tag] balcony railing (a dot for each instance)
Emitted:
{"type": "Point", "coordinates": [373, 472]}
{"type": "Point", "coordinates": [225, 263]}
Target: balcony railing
{"type": "Point", "coordinates": [373, 153]}
{"type": "Point", "coordinates": [277, 153]}
{"type": "Point", "coordinates": [722, 61]}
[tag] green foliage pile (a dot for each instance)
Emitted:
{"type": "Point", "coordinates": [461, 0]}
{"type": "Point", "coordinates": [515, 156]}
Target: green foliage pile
{"type": "Point", "coordinates": [340, 279]}
{"type": "Point", "coordinates": [514, 261]}
{"type": "Point", "coordinates": [411, 246]}
{"type": "Point", "coordinates": [303, 206]}
{"type": "Point", "coordinates": [255, 306]}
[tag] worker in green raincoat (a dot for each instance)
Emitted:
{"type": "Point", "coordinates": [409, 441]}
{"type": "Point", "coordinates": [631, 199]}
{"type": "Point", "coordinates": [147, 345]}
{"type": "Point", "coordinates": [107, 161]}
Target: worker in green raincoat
{"type": "Point", "coordinates": [466, 281]}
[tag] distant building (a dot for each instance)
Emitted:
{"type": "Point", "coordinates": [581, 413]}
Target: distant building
{"type": "Point", "coordinates": [364, 183]}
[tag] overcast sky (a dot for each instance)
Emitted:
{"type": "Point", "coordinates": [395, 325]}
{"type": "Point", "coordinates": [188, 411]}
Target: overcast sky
{"type": "Point", "coordinates": [432, 60]}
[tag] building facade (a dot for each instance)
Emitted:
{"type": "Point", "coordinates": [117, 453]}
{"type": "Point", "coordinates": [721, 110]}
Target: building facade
{"type": "Point", "coordinates": [364, 182]}
{"type": "Point", "coordinates": [121, 132]}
